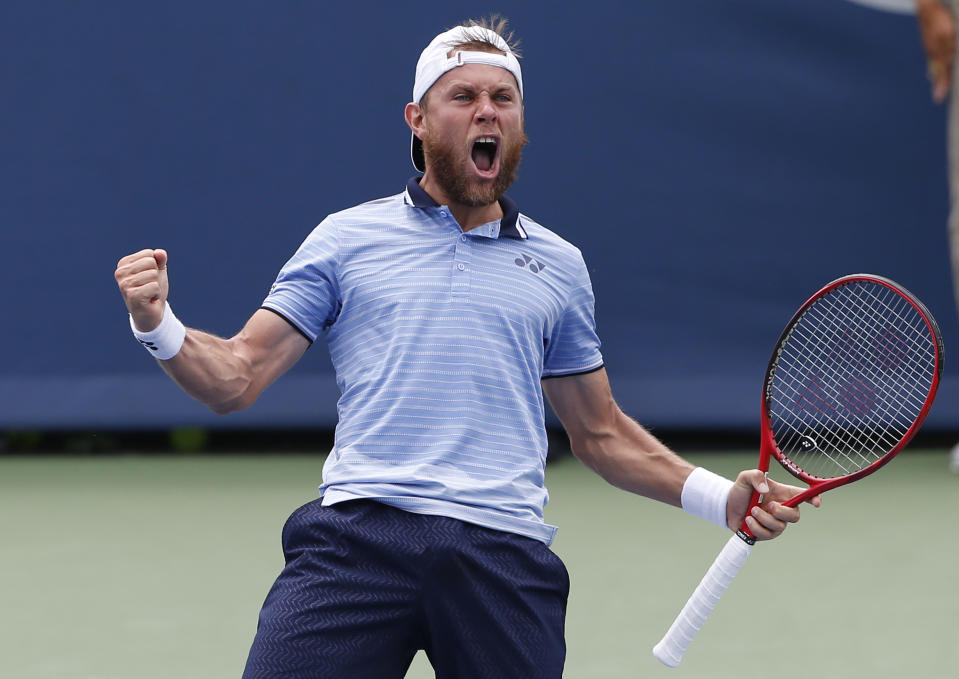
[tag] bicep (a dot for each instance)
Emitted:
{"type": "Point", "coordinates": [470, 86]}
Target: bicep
{"type": "Point", "coordinates": [583, 403]}
{"type": "Point", "coordinates": [270, 345]}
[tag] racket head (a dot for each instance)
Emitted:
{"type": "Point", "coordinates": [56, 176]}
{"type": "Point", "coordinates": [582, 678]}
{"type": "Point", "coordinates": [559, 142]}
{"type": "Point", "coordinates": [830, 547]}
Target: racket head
{"type": "Point", "coordinates": [851, 379]}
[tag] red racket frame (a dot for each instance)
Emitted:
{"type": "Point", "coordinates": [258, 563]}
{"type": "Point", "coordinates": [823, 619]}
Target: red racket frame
{"type": "Point", "coordinates": [768, 447]}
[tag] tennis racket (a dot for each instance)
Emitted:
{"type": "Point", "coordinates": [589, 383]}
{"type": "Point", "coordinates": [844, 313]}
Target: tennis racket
{"type": "Point", "coordinates": [850, 381]}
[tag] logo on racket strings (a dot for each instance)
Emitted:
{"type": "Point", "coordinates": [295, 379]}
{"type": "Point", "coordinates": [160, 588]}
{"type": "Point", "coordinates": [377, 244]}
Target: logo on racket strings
{"type": "Point", "coordinates": [855, 395]}
{"type": "Point", "coordinates": [888, 349]}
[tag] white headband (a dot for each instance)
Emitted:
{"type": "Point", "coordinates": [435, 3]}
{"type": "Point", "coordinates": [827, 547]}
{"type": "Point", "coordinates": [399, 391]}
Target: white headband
{"type": "Point", "coordinates": [434, 61]}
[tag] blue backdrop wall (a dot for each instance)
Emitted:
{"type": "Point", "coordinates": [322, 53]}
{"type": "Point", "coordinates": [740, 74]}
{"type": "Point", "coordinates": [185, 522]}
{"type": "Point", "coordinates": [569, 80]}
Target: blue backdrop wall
{"type": "Point", "coordinates": [715, 161]}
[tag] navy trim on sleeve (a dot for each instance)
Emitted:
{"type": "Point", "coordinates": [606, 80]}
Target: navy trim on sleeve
{"type": "Point", "coordinates": [295, 326]}
{"type": "Point", "coordinates": [585, 372]}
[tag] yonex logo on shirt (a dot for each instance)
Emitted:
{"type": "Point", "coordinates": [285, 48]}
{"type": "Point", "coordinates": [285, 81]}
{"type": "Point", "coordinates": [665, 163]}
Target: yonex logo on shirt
{"type": "Point", "coordinates": [532, 264]}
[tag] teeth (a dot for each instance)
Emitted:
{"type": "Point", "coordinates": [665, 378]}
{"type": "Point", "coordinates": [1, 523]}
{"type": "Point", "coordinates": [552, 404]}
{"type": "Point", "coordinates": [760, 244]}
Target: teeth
{"type": "Point", "coordinates": [486, 140]}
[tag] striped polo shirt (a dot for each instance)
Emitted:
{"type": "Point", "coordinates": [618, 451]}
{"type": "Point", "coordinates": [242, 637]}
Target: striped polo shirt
{"type": "Point", "coordinates": [439, 340]}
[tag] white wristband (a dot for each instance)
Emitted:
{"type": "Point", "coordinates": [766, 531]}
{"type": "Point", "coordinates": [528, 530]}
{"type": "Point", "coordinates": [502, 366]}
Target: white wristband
{"type": "Point", "coordinates": [705, 495]}
{"type": "Point", "coordinates": [165, 340]}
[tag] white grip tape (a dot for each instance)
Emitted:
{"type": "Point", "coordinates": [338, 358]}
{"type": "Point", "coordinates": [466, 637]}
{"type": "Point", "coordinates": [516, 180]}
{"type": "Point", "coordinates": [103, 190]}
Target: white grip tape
{"type": "Point", "coordinates": [673, 645]}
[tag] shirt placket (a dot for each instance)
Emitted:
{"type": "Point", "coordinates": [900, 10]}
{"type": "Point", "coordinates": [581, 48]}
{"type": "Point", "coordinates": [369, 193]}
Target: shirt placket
{"type": "Point", "coordinates": [462, 267]}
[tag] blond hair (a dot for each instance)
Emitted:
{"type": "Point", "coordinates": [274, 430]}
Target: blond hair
{"type": "Point", "coordinates": [479, 41]}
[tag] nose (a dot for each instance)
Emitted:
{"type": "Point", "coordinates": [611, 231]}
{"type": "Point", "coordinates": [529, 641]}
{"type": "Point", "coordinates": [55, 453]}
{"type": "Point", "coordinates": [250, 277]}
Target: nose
{"type": "Point", "coordinates": [485, 111]}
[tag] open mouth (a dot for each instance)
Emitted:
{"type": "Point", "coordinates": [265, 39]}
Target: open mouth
{"type": "Point", "coordinates": [484, 153]}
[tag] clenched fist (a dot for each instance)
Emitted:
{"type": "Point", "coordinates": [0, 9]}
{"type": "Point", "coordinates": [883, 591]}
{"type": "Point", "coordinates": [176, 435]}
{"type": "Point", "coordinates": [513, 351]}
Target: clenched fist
{"type": "Point", "coordinates": [143, 282]}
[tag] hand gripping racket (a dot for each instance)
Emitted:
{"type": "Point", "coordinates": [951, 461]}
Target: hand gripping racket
{"type": "Point", "coordinates": [850, 381]}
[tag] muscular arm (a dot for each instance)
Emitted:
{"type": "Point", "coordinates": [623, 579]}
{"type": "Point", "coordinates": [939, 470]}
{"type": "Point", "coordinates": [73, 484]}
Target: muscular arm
{"type": "Point", "coordinates": [612, 444]}
{"type": "Point", "coordinates": [629, 457]}
{"type": "Point", "coordinates": [224, 374]}
{"type": "Point", "coordinates": [229, 374]}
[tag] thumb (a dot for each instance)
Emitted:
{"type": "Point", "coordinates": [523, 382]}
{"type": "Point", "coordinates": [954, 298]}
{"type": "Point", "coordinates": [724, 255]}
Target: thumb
{"type": "Point", "coordinates": [160, 257]}
{"type": "Point", "coordinates": [757, 479]}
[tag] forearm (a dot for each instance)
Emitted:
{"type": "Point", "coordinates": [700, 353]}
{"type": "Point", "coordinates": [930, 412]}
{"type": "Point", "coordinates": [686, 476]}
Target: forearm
{"type": "Point", "coordinates": [212, 370]}
{"type": "Point", "coordinates": [627, 456]}
{"type": "Point", "coordinates": [224, 374]}
{"type": "Point", "coordinates": [621, 451]}
{"type": "Point", "coordinates": [631, 458]}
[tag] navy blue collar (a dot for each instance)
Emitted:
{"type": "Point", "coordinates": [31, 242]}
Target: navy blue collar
{"type": "Point", "coordinates": [509, 225]}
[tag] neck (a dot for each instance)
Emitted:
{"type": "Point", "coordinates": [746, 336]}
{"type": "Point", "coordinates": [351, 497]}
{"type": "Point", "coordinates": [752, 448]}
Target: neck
{"type": "Point", "coordinates": [467, 216]}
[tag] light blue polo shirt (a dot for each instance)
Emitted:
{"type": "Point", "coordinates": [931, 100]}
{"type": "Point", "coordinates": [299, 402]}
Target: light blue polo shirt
{"type": "Point", "coordinates": [439, 340]}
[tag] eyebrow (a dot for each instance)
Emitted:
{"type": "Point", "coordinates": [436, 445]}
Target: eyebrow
{"type": "Point", "coordinates": [499, 87]}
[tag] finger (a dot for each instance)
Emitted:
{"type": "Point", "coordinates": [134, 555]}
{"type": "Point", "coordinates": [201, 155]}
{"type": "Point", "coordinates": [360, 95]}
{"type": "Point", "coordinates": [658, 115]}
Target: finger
{"type": "Point", "coordinates": [141, 279]}
{"type": "Point", "coordinates": [131, 267]}
{"type": "Point", "coordinates": [161, 257]}
{"type": "Point", "coordinates": [756, 478]}
{"type": "Point", "coordinates": [780, 492]}
{"type": "Point", "coordinates": [774, 516]}
{"type": "Point", "coordinates": [142, 254]}
{"type": "Point", "coordinates": [142, 297]}
{"type": "Point", "coordinates": [759, 531]}
{"type": "Point", "coordinates": [763, 525]}
{"type": "Point", "coordinates": [782, 512]}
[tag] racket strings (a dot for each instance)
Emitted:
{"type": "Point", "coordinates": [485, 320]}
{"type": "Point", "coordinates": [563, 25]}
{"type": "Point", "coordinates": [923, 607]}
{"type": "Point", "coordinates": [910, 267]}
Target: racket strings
{"type": "Point", "coordinates": [850, 379]}
{"type": "Point", "coordinates": [854, 346]}
{"type": "Point", "coordinates": [898, 411]}
{"type": "Point", "coordinates": [865, 438]}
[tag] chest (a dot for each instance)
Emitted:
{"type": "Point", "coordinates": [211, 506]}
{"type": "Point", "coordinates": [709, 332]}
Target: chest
{"type": "Point", "coordinates": [491, 280]}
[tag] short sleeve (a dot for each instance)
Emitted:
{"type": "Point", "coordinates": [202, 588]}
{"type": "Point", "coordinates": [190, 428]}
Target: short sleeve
{"type": "Point", "coordinates": [574, 347]}
{"type": "Point", "coordinates": [306, 291]}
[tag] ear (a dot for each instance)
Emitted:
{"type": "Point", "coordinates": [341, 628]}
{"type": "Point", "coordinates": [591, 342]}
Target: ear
{"type": "Point", "coordinates": [416, 119]}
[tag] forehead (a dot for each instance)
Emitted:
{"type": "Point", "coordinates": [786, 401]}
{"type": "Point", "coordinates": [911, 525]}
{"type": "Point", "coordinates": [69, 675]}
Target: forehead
{"type": "Point", "coordinates": [477, 76]}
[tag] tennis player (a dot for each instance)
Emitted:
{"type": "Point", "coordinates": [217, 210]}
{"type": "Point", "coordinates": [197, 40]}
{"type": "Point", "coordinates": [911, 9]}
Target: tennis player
{"type": "Point", "coordinates": [448, 314]}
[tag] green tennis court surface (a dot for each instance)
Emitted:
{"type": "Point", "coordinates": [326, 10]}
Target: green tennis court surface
{"type": "Point", "coordinates": [143, 567]}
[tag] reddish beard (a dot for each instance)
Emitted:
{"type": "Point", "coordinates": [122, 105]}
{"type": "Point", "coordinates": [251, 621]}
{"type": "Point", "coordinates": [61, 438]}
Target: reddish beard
{"type": "Point", "coordinates": [447, 168]}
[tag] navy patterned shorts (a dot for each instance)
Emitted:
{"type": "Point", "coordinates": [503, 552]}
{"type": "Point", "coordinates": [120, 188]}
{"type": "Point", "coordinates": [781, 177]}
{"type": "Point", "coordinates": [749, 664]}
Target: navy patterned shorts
{"type": "Point", "coordinates": [366, 585]}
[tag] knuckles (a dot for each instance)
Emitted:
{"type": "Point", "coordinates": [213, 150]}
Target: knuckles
{"type": "Point", "coordinates": [138, 277]}
{"type": "Point", "coordinates": [143, 257]}
{"type": "Point", "coordinates": [134, 264]}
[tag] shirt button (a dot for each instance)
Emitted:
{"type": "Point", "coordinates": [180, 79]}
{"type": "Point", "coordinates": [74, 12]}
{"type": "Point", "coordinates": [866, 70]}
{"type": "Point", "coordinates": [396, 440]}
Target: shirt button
{"type": "Point", "coordinates": [461, 267]}
{"type": "Point", "coordinates": [463, 238]}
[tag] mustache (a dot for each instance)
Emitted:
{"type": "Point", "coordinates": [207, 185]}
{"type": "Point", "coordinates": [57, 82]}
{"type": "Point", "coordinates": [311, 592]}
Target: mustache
{"type": "Point", "coordinates": [448, 165]}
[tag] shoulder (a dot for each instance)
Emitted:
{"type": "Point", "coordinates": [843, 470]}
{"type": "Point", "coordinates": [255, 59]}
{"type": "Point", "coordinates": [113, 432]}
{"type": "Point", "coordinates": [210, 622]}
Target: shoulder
{"type": "Point", "coordinates": [359, 217]}
{"type": "Point", "coordinates": [379, 208]}
{"type": "Point", "coordinates": [541, 236]}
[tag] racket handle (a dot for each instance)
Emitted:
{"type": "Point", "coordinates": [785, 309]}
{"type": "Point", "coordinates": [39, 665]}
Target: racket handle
{"type": "Point", "coordinates": [673, 645]}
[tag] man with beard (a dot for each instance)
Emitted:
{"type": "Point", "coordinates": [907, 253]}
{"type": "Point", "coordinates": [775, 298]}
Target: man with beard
{"type": "Point", "coordinates": [448, 314]}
